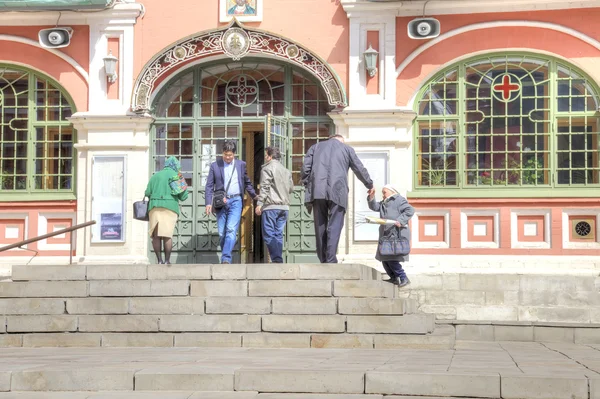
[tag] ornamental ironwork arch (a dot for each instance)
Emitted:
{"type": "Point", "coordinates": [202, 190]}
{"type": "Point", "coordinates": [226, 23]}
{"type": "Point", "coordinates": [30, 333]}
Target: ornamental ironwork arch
{"type": "Point", "coordinates": [235, 41]}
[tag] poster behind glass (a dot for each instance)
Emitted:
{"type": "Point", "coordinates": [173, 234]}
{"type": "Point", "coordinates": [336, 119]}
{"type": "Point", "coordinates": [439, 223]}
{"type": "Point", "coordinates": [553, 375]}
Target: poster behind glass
{"type": "Point", "coordinates": [108, 200]}
{"type": "Point", "coordinates": [377, 165]}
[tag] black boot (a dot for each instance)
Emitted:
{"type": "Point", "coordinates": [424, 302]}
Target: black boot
{"type": "Point", "coordinates": [403, 282]}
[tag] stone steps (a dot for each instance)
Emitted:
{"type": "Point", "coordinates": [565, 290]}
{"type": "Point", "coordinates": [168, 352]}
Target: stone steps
{"type": "Point", "coordinates": [485, 296]}
{"type": "Point", "coordinates": [272, 305]}
{"type": "Point", "coordinates": [481, 370]}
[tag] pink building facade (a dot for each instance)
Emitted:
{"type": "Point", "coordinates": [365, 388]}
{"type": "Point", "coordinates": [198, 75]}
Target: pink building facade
{"type": "Point", "coordinates": [490, 128]}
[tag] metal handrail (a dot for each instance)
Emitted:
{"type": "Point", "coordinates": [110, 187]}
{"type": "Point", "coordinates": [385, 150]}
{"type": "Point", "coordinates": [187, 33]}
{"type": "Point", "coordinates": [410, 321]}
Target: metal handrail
{"type": "Point", "coordinates": [48, 235]}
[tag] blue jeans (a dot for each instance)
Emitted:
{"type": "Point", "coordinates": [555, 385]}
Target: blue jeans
{"type": "Point", "coordinates": [228, 222]}
{"type": "Point", "coordinates": [273, 223]}
{"type": "Point", "coordinates": [394, 269]}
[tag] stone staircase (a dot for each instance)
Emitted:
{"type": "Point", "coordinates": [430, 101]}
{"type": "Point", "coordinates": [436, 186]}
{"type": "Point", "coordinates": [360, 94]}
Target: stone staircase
{"type": "Point", "coordinates": [252, 306]}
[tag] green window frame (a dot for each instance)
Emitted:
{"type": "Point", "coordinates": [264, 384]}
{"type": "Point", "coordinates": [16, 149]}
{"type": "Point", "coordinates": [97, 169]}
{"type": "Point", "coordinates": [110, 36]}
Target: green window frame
{"type": "Point", "coordinates": [507, 125]}
{"type": "Point", "coordinates": [37, 155]}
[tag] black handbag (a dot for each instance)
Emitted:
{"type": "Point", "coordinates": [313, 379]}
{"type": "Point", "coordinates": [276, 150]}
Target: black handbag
{"type": "Point", "coordinates": [394, 246]}
{"type": "Point", "coordinates": [219, 196]}
{"type": "Point", "coordinates": [140, 210]}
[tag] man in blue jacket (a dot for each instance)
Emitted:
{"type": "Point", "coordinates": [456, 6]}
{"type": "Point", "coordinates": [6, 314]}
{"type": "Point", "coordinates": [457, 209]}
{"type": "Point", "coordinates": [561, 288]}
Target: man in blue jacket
{"type": "Point", "coordinates": [228, 174]}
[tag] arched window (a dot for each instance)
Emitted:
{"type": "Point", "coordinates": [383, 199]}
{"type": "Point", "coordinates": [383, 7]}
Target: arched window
{"type": "Point", "coordinates": [507, 123]}
{"type": "Point", "coordinates": [36, 140]}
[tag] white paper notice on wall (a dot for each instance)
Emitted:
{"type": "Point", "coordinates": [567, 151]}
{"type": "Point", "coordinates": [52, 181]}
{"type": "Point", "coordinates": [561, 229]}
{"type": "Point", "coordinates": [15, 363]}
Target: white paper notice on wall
{"type": "Point", "coordinates": [108, 198]}
{"type": "Point", "coordinates": [377, 165]}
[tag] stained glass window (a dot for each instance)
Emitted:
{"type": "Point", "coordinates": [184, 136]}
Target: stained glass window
{"type": "Point", "coordinates": [510, 121]}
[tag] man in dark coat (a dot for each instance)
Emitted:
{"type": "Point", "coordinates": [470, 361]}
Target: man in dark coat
{"type": "Point", "coordinates": [325, 178]}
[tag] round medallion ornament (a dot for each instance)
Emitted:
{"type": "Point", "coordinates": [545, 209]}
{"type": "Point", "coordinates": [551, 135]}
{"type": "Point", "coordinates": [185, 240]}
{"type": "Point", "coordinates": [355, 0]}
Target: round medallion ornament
{"type": "Point", "coordinates": [242, 90]}
{"type": "Point", "coordinates": [236, 43]}
{"type": "Point", "coordinates": [179, 53]}
{"type": "Point", "coordinates": [292, 51]}
{"type": "Point", "coordinates": [506, 87]}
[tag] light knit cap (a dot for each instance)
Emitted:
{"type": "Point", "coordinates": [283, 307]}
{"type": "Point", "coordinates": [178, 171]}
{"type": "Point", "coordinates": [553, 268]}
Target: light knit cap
{"type": "Point", "coordinates": [391, 188]}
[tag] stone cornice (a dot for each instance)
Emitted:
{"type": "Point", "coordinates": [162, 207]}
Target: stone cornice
{"type": "Point", "coordinates": [135, 123]}
{"type": "Point", "coordinates": [358, 8]}
{"type": "Point", "coordinates": [398, 117]}
{"type": "Point", "coordinates": [120, 14]}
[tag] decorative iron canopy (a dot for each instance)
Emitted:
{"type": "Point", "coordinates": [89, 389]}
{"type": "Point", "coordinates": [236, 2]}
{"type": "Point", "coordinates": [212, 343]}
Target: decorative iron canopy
{"type": "Point", "coordinates": [53, 5]}
{"type": "Point", "coordinates": [235, 41]}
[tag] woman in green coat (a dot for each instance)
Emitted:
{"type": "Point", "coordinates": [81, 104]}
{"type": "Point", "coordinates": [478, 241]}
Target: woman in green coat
{"type": "Point", "coordinates": [164, 208]}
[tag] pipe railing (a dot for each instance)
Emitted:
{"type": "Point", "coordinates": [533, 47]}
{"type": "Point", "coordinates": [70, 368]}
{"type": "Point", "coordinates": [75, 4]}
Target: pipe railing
{"type": "Point", "coordinates": [48, 235]}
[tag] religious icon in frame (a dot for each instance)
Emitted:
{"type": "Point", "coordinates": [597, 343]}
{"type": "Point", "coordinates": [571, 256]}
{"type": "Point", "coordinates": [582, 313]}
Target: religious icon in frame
{"type": "Point", "coordinates": [243, 10]}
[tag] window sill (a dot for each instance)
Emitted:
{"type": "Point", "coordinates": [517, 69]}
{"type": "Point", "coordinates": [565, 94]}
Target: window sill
{"type": "Point", "coordinates": [541, 192]}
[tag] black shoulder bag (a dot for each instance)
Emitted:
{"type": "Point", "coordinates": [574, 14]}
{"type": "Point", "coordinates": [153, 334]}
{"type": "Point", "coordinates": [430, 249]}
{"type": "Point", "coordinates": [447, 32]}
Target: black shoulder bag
{"type": "Point", "coordinates": [219, 196]}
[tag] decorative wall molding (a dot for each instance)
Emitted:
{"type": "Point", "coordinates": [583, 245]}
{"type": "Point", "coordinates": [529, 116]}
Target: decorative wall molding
{"type": "Point", "coordinates": [419, 7]}
{"type": "Point", "coordinates": [58, 53]}
{"type": "Point", "coordinates": [490, 25]}
{"type": "Point", "coordinates": [235, 41]}
{"type": "Point", "coordinates": [121, 13]}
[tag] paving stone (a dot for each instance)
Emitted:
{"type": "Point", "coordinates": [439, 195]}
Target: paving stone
{"type": "Point", "coordinates": [441, 312]}
{"type": "Point", "coordinates": [118, 323]}
{"type": "Point", "coordinates": [489, 282]}
{"type": "Point", "coordinates": [341, 341]}
{"type": "Point", "coordinates": [427, 282]}
{"type": "Point", "coordinates": [5, 381]}
{"type": "Point", "coordinates": [266, 340]}
{"type": "Point", "coordinates": [80, 379]}
{"type": "Point", "coordinates": [43, 289]}
{"type": "Point", "coordinates": [553, 334]}
{"type": "Point", "coordinates": [513, 333]}
{"type": "Point", "coordinates": [211, 323]}
{"type": "Point", "coordinates": [224, 395]}
{"type": "Point", "coordinates": [587, 335]}
{"type": "Point", "coordinates": [450, 281]}
{"type": "Point", "coordinates": [407, 324]}
{"type": "Point", "coordinates": [151, 340]}
{"type": "Point", "coordinates": [211, 340]}
{"type": "Point", "coordinates": [290, 288]}
{"type": "Point", "coordinates": [474, 332]}
{"type": "Point", "coordinates": [502, 298]}
{"type": "Point", "coordinates": [166, 306]}
{"type": "Point", "coordinates": [556, 283]}
{"type": "Point", "coordinates": [54, 323]}
{"type": "Point", "coordinates": [69, 340]}
{"type": "Point", "coordinates": [433, 384]}
{"type": "Point", "coordinates": [595, 315]}
{"type": "Point", "coordinates": [47, 272]}
{"type": "Point", "coordinates": [273, 271]}
{"type": "Point", "coordinates": [11, 340]}
{"type": "Point", "coordinates": [98, 306]}
{"type": "Point", "coordinates": [435, 297]}
{"type": "Point", "coordinates": [141, 395]}
{"type": "Point", "coordinates": [372, 306]}
{"type": "Point", "coordinates": [338, 271]}
{"type": "Point", "coordinates": [238, 305]}
{"type": "Point", "coordinates": [126, 288]}
{"type": "Point", "coordinates": [550, 387]}
{"type": "Point", "coordinates": [44, 395]}
{"type": "Point", "coordinates": [228, 272]}
{"type": "Point", "coordinates": [594, 388]}
{"type": "Point", "coordinates": [497, 313]}
{"type": "Point", "coordinates": [179, 272]}
{"type": "Point", "coordinates": [555, 314]}
{"type": "Point", "coordinates": [184, 378]}
{"type": "Point", "coordinates": [316, 396]}
{"type": "Point", "coordinates": [299, 305]}
{"type": "Point", "coordinates": [412, 341]}
{"type": "Point", "coordinates": [117, 272]}
{"type": "Point", "coordinates": [219, 288]}
{"type": "Point", "coordinates": [357, 288]}
{"type": "Point", "coordinates": [303, 323]}
{"type": "Point", "coordinates": [310, 381]}
{"type": "Point", "coordinates": [2, 324]}
{"type": "Point", "coordinates": [577, 299]}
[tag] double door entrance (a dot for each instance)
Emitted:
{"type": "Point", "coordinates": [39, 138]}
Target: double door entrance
{"type": "Point", "coordinates": [196, 238]}
{"type": "Point", "coordinates": [258, 103]}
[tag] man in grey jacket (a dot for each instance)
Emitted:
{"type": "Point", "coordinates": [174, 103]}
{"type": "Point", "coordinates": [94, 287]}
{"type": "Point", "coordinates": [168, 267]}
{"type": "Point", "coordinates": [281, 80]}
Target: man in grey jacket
{"type": "Point", "coordinates": [276, 185]}
{"type": "Point", "coordinates": [325, 177]}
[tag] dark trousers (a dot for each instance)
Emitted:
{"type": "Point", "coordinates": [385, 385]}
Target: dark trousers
{"type": "Point", "coordinates": [394, 269]}
{"type": "Point", "coordinates": [329, 221]}
{"type": "Point", "coordinates": [273, 224]}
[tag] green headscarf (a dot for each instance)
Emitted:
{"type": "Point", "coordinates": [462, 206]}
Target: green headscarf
{"type": "Point", "coordinates": [173, 163]}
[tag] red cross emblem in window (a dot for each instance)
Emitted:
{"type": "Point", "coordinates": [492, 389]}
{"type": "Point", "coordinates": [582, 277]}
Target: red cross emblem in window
{"type": "Point", "coordinates": [507, 87]}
